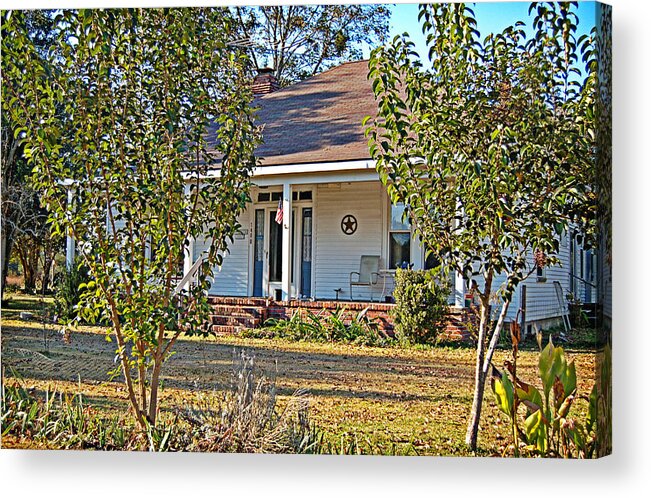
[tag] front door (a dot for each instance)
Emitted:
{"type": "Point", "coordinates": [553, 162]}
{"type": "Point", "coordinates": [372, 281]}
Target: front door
{"type": "Point", "coordinates": [274, 255]}
{"type": "Point", "coordinates": [268, 253]}
{"type": "Point", "coordinates": [259, 253]}
{"type": "Point", "coordinates": [306, 252]}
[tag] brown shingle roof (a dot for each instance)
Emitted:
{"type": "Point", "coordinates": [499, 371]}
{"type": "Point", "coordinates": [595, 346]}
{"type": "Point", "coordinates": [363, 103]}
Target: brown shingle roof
{"type": "Point", "coordinates": [318, 119]}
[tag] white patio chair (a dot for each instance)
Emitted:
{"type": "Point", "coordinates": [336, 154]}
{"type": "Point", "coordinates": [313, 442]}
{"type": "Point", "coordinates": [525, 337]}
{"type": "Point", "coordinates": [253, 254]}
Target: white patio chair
{"type": "Point", "coordinates": [367, 276]}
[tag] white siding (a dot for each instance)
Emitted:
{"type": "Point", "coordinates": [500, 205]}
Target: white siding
{"type": "Point", "coordinates": [119, 223]}
{"type": "Point", "coordinates": [338, 254]}
{"type": "Point", "coordinates": [542, 303]}
{"type": "Point", "coordinates": [233, 276]}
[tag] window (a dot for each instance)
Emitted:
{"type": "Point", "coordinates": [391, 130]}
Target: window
{"type": "Point", "coordinates": [303, 195]}
{"type": "Point", "coordinates": [541, 274]}
{"type": "Point", "coordinates": [275, 249]}
{"type": "Point", "coordinates": [540, 261]}
{"type": "Point", "coordinates": [399, 238]}
{"type": "Point", "coordinates": [269, 196]}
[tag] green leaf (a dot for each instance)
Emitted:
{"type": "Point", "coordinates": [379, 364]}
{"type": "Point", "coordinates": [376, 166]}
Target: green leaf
{"type": "Point", "coordinates": [536, 431]}
{"type": "Point", "coordinates": [530, 396]}
{"type": "Point", "coordinates": [503, 391]}
{"type": "Point", "coordinates": [569, 379]}
{"type": "Point", "coordinates": [593, 408]}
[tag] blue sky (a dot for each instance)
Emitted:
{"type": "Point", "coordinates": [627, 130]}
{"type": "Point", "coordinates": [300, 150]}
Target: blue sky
{"type": "Point", "coordinates": [492, 17]}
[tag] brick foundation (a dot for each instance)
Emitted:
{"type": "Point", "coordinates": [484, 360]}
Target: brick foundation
{"type": "Point", "coordinates": [231, 315]}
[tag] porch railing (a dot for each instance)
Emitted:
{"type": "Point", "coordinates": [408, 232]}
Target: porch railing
{"type": "Point", "coordinates": [583, 290]}
{"type": "Point", "coordinates": [189, 277]}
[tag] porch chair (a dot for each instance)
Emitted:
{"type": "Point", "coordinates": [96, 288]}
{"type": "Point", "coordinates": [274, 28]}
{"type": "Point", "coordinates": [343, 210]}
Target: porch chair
{"type": "Point", "coordinates": [368, 274]}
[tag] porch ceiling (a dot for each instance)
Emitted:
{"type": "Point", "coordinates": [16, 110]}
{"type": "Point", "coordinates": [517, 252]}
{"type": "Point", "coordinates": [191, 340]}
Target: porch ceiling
{"type": "Point", "coordinates": [317, 177]}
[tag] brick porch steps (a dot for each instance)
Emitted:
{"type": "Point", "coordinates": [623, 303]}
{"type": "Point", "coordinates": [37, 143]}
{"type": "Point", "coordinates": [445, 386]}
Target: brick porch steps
{"type": "Point", "coordinates": [233, 315]}
{"type": "Point", "coordinates": [228, 310]}
{"type": "Point", "coordinates": [247, 322]}
{"type": "Point", "coordinates": [239, 301]}
{"type": "Point", "coordinates": [225, 329]}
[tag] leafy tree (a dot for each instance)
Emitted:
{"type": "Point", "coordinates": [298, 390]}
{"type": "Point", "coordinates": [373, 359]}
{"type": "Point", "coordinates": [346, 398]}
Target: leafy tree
{"type": "Point", "coordinates": [299, 41]}
{"type": "Point", "coordinates": [491, 149]}
{"type": "Point", "coordinates": [20, 206]}
{"type": "Point", "coordinates": [13, 193]}
{"type": "Point", "coordinates": [117, 117]}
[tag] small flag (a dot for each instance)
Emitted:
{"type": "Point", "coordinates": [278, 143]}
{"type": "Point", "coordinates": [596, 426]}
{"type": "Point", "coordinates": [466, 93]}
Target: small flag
{"type": "Point", "coordinates": [279, 212]}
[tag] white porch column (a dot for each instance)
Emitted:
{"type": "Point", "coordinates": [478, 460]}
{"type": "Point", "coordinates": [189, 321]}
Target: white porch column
{"type": "Point", "coordinates": [287, 242]}
{"type": "Point", "coordinates": [459, 281]}
{"type": "Point", "coordinates": [188, 251]}
{"type": "Point", "coordinates": [459, 290]}
{"type": "Point", "coordinates": [70, 242]}
{"type": "Point", "coordinates": [70, 251]}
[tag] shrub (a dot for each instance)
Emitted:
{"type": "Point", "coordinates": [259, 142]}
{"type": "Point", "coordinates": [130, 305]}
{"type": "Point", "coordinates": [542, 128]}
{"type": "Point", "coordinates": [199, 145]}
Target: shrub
{"type": "Point", "coordinates": [421, 305]}
{"type": "Point", "coordinates": [68, 293]}
{"type": "Point", "coordinates": [334, 326]}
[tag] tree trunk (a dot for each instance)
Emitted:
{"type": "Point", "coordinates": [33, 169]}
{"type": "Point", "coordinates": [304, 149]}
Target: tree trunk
{"type": "Point", "coordinates": [10, 150]}
{"type": "Point", "coordinates": [29, 275]}
{"type": "Point", "coordinates": [124, 361]}
{"type": "Point", "coordinates": [480, 377]}
{"type": "Point", "coordinates": [47, 269]}
{"type": "Point", "coordinates": [7, 245]}
{"type": "Point", "coordinates": [28, 251]}
{"type": "Point", "coordinates": [153, 393]}
{"type": "Point", "coordinates": [32, 264]}
{"type": "Point", "coordinates": [484, 358]}
{"type": "Point", "coordinates": [496, 335]}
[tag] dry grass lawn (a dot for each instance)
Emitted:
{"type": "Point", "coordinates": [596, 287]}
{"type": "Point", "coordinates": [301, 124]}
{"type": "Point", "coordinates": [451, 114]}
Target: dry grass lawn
{"type": "Point", "coordinates": [392, 400]}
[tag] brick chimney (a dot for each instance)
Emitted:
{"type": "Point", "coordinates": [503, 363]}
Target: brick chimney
{"type": "Point", "coordinates": [265, 82]}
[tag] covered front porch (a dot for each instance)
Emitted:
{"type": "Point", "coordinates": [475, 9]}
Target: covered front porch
{"type": "Point", "coordinates": [304, 234]}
